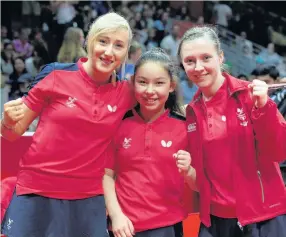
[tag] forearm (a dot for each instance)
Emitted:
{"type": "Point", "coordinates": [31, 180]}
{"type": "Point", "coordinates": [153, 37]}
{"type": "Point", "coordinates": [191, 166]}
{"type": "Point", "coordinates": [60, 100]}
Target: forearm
{"type": "Point", "coordinates": [111, 201]}
{"type": "Point", "coordinates": [191, 177]}
{"type": "Point", "coordinates": [270, 132]}
{"type": "Point", "coordinates": [9, 133]}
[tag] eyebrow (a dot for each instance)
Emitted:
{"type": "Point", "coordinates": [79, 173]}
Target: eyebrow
{"type": "Point", "coordinates": [106, 37]}
{"type": "Point", "coordinates": [157, 78]}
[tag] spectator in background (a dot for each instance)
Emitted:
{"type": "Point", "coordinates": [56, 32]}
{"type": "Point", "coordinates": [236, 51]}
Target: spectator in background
{"type": "Point", "coordinates": [7, 55]}
{"type": "Point", "coordinates": [4, 92]}
{"type": "Point", "coordinates": [65, 13]}
{"type": "Point", "coordinates": [222, 14]}
{"type": "Point", "coordinates": [282, 67]}
{"type": "Point", "coordinates": [242, 41]}
{"type": "Point", "coordinates": [163, 24]}
{"type": "Point", "coordinates": [134, 53]}
{"type": "Point", "coordinates": [148, 14]}
{"type": "Point", "coordinates": [269, 56]}
{"type": "Point", "coordinates": [270, 75]}
{"type": "Point", "coordinates": [200, 20]}
{"type": "Point", "coordinates": [247, 52]}
{"type": "Point", "coordinates": [277, 37]}
{"type": "Point", "coordinates": [39, 53]}
{"type": "Point", "coordinates": [170, 42]}
{"type": "Point", "coordinates": [26, 79]}
{"type": "Point", "coordinates": [72, 46]}
{"type": "Point", "coordinates": [151, 40]}
{"type": "Point", "coordinates": [183, 13]}
{"type": "Point", "coordinates": [31, 11]}
{"type": "Point", "coordinates": [19, 70]}
{"type": "Point", "coordinates": [38, 38]}
{"type": "Point", "coordinates": [22, 45]}
{"type": "Point", "coordinates": [187, 87]}
{"type": "Point", "coordinates": [4, 34]}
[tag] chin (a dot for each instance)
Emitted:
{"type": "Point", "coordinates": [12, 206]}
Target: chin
{"type": "Point", "coordinates": [101, 69]}
{"type": "Point", "coordinates": [202, 84]}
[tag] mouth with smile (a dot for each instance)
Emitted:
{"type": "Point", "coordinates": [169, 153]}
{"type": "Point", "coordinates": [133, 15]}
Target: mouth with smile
{"type": "Point", "coordinates": [106, 61]}
{"type": "Point", "coordinates": [150, 101]}
{"type": "Point", "coordinates": [200, 77]}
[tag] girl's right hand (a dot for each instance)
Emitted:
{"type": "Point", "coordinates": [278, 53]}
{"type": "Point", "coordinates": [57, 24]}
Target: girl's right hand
{"type": "Point", "coordinates": [13, 112]}
{"type": "Point", "coordinates": [122, 226]}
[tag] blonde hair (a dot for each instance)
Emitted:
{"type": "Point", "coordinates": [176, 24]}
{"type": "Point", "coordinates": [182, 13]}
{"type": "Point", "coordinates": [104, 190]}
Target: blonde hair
{"type": "Point", "coordinates": [108, 23]}
{"type": "Point", "coordinates": [72, 47]}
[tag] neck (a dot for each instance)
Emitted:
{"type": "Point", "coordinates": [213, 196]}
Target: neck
{"type": "Point", "coordinates": [150, 116]}
{"type": "Point", "coordinates": [209, 92]}
{"type": "Point", "coordinates": [97, 76]}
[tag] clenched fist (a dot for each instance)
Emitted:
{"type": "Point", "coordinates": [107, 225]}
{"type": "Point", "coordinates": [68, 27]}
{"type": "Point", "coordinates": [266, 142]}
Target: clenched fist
{"type": "Point", "coordinates": [13, 112]}
{"type": "Point", "coordinates": [259, 93]}
{"type": "Point", "coordinates": [183, 160]}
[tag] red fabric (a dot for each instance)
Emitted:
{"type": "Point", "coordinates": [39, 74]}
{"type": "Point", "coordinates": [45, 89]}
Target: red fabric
{"type": "Point", "coordinates": [149, 187]}
{"type": "Point", "coordinates": [78, 119]}
{"type": "Point", "coordinates": [7, 189]}
{"type": "Point", "coordinates": [257, 197]}
{"type": "Point", "coordinates": [215, 139]}
{"type": "Point", "coordinates": [11, 152]}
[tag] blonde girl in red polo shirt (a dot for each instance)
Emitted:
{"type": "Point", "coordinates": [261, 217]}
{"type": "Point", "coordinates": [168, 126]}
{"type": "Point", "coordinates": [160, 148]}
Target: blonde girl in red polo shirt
{"type": "Point", "coordinates": [144, 179]}
{"type": "Point", "coordinates": [237, 139]}
{"type": "Point", "coordinates": [59, 184]}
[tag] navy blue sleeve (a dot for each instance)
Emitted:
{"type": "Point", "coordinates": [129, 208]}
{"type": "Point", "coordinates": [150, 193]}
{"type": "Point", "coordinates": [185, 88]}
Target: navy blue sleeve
{"type": "Point", "coordinates": [47, 69]}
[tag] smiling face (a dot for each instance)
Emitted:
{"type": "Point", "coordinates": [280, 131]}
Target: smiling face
{"type": "Point", "coordinates": [109, 51]}
{"type": "Point", "coordinates": [202, 62]}
{"type": "Point", "coordinates": [152, 88]}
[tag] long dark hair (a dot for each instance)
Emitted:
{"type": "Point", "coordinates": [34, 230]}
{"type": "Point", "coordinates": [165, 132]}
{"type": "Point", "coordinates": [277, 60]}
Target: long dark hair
{"type": "Point", "coordinates": [159, 56]}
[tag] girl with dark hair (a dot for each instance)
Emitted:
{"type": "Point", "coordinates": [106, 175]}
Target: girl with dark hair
{"type": "Point", "coordinates": [148, 161]}
{"type": "Point", "coordinates": [16, 78]}
{"type": "Point", "coordinates": [238, 137]}
{"type": "Point", "coordinates": [7, 59]}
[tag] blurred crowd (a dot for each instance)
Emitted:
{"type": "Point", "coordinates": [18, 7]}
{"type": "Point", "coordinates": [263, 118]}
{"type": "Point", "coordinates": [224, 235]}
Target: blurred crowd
{"type": "Point", "coordinates": [56, 30]}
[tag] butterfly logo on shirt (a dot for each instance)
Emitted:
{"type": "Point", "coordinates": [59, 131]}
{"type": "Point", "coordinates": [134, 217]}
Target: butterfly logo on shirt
{"type": "Point", "coordinates": [241, 117]}
{"type": "Point", "coordinates": [166, 144]}
{"type": "Point", "coordinates": [111, 109]}
{"type": "Point", "coordinates": [126, 143]}
{"type": "Point", "coordinates": [71, 102]}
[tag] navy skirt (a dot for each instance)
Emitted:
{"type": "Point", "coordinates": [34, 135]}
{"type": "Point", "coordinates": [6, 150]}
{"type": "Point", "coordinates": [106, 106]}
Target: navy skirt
{"type": "Point", "coordinates": [37, 216]}
{"type": "Point", "coordinates": [167, 231]}
{"type": "Point", "coordinates": [222, 227]}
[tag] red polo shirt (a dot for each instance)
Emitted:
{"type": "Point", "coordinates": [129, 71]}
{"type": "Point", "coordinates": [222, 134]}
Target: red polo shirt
{"type": "Point", "coordinates": [149, 186]}
{"type": "Point", "coordinates": [66, 159]}
{"type": "Point", "coordinates": [217, 153]}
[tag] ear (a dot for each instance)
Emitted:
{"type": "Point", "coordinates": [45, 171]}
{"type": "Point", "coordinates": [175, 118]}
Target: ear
{"type": "Point", "coordinates": [173, 86]}
{"type": "Point", "coordinates": [132, 78]}
{"type": "Point", "coordinates": [221, 57]}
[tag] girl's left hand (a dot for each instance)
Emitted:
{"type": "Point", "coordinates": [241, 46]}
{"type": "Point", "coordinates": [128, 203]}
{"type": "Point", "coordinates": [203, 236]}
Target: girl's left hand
{"type": "Point", "coordinates": [259, 92]}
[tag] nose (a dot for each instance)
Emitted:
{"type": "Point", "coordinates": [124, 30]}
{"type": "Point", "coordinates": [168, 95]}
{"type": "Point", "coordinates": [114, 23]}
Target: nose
{"type": "Point", "coordinates": [108, 50]}
{"type": "Point", "coordinates": [150, 89]}
{"type": "Point", "coordinates": [198, 66]}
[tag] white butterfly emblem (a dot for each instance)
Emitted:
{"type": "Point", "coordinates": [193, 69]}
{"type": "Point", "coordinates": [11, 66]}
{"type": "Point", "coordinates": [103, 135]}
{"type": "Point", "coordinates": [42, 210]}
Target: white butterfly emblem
{"type": "Point", "coordinates": [111, 109]}
{"type": "Point", "coordinates": [166, 144]}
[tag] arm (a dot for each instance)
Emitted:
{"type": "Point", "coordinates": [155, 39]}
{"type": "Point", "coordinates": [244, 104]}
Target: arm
{"type": "Point", "coordinates": [15, 122]}
{"type": "Point", "coordinates": [183, 161]}
{"type": "Point", "coordinates": [111, 201]}
{"type": "Point", "coordinates": [191, 177]}
{"type": "Point", "coordinates": [268, 124]}
{"type": "Point", "coordinates": [121, 225]}
{"type": "Point", "coordinates": [19, 114]}
{"type": "Point", "coordinates": [270, 132]}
